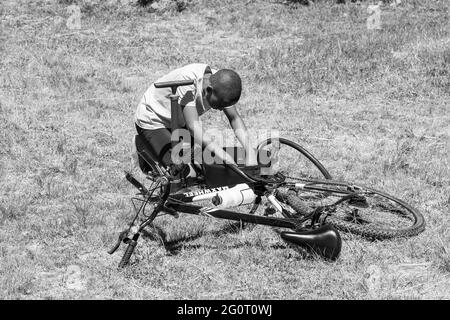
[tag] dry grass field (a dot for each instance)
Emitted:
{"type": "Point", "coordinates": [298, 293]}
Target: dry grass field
{"type": "Point", "coordinates": [372, 105]}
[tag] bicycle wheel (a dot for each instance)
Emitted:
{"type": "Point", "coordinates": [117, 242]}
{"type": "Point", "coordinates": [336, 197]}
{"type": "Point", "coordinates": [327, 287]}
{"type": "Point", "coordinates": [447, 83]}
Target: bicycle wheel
{"type": "Point", "coordinates": [359, 210]}
{"type": "Point", "coordinates": [290, 159]}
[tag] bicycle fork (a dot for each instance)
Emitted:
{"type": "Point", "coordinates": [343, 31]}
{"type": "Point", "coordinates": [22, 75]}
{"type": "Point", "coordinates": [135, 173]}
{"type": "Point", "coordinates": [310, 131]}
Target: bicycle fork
{"type": "Point", "coordinates": [131, 235]}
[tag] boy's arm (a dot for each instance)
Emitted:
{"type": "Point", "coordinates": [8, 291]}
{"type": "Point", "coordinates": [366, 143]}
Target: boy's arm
{"type": "Point", "coordinates": [241, 132]}
{"type": "Point", "coordinates": [194, 126]}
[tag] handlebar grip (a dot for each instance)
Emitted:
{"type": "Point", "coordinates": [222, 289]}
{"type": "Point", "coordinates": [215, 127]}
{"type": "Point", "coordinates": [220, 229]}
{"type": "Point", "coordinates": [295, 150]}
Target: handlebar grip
{"type": "Point", "coordinates": [136, 183]}
{"type": "Point", "coordinates": [126, 257]}
{"type": "Point", "coordinates": [115, 247]}
{"type": "Point", "coordinates": [177, 83]}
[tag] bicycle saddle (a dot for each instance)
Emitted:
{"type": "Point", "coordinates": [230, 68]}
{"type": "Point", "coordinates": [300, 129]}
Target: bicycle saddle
{"type": "Point", "coordinates": [325, 241]}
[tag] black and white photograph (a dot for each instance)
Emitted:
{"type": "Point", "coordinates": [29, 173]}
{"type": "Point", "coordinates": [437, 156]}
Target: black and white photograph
{"type": "Point", "coordinates": [225, 155]}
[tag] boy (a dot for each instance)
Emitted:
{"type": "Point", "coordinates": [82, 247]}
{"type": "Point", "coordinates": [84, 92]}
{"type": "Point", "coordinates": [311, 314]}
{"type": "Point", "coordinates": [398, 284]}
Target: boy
{"type": "Point", "coordinates": [212, 89]}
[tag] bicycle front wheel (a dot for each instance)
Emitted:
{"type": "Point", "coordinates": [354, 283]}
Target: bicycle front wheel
{"type": "Point", "coordinates": [360, 210]}
{"type": "Point", "coordinates": [290, 159]}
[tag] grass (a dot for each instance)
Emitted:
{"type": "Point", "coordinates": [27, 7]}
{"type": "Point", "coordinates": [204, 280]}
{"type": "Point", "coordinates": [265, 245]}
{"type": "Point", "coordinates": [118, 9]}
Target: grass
{"type": "Point", "coordinates": [372, 105]}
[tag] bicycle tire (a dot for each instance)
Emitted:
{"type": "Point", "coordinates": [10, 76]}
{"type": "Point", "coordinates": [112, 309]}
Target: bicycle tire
{"type": "Point", "coordinates": [302, 151]}
{"type": "Point", "coordinates": [372, 230]}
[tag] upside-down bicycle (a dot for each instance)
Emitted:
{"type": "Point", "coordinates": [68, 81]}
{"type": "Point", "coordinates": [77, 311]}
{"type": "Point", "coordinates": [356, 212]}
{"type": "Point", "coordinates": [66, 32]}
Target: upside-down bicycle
{"type": "Point", "coordinates": [299, 193]}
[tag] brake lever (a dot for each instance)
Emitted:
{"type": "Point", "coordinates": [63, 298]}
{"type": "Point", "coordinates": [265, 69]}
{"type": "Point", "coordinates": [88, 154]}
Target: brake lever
{"type": "Point", "coordinates": [122, 237]}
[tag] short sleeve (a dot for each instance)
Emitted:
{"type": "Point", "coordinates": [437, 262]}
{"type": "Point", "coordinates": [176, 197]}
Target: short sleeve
{"type": "Point", "coordinates": [186, 95]}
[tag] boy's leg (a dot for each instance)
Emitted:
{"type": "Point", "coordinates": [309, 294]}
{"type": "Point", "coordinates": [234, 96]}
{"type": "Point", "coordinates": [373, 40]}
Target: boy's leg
{"type": "Point", "coordinates": [158, 143]}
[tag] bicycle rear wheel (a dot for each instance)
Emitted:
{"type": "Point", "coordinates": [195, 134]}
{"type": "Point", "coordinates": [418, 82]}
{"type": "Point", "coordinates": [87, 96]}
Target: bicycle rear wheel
{"type": "Point", "coordinates": [290, 159]}
{"type": "Point", "coordinates": [359, 210]}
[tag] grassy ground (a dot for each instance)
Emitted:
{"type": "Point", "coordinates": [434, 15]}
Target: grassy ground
{"type": "Point", "coordinates": [373, 105]}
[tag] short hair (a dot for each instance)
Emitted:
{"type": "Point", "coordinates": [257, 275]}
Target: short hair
{"type": "Point", "coordinates": [226, 85]}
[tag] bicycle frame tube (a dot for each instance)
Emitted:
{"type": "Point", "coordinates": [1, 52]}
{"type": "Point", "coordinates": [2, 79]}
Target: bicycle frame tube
{"type": "Point", "coordinates": [233, 215]}
{"type": "Point", "coordinates": [311, 186]}
{"type": "Point", "coordinates": [198, 195]}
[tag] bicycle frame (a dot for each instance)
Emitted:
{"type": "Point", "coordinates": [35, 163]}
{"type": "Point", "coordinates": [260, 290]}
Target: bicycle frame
{"type": "Point", "coordinates": [322, 239]}
{"type": "Point", "coordinates": [183, 202]}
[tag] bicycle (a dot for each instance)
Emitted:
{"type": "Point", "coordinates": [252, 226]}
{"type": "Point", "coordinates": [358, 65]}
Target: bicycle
{"type": "Point", "coordinates": [313, 206]}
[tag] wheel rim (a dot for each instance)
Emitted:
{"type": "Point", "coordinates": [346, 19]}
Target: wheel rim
{"type": "Point", "coordinates": [290, 159]}
{"type": "Point", "coordinates": [371, 213]}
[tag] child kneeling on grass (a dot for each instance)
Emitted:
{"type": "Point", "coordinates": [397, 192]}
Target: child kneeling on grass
{"type": "Point", "coordinates": [212, 89]}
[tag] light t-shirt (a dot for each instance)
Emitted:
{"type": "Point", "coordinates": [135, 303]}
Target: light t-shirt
{"type": "Point", "coordinates": [154, 110]}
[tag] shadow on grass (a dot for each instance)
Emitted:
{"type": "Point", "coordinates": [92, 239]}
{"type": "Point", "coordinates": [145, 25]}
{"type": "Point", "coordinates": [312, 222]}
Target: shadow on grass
{"type": "Point", "coordinates": [175, 246]}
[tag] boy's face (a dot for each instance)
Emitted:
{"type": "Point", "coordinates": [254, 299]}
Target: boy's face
{"type": "Point", "coordinates": [214, 101]}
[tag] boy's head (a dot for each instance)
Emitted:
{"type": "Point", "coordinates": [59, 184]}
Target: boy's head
{"type": "Point", "coordinates": [224, 89]}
